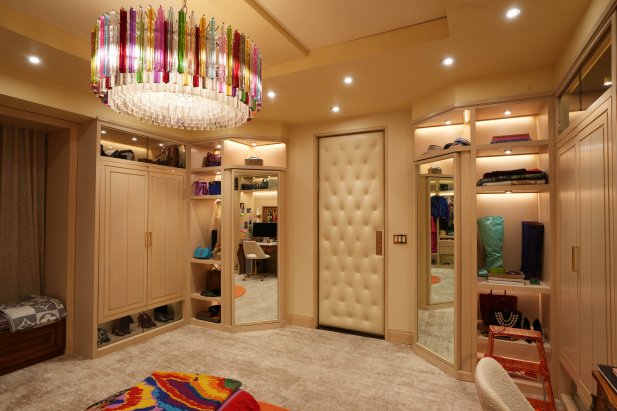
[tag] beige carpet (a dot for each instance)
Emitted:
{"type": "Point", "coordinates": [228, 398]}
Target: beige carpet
{"type": "Point", "coordinates": [298, 368]}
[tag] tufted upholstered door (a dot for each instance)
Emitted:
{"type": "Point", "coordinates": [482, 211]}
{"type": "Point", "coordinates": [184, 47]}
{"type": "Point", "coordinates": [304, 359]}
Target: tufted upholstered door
{"type": "Point", "coordinates": [351, 220]}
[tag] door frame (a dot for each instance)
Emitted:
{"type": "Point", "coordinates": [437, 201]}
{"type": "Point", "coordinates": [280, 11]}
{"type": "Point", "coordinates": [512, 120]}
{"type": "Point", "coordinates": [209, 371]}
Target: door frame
{"type": "Point", "coordinates": [343, 133]}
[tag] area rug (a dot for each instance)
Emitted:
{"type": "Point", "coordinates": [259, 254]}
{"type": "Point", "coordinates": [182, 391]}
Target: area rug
{"type": "Point", "coordinates": [239, 291]}
{"type": "Point", "coordinates": [270, 407]}
{"type": "Point", "coordinates": [435, 279]}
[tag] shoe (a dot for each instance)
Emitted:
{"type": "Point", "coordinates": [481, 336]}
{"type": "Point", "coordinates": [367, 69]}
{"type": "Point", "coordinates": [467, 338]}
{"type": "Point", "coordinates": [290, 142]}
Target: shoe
{"type": "Point", "coordinates": [117, 329]}
{"type": "Point", "coordinates": [102, 336]}
{"type": "Point", "coordinates": [145, 321]}
{"type": "Point", "coordinates": [537, 326]}
{"type": "Point", "coordinates": [159, 314]}
{"type": "Point", "coordinates": [527, 326]}
{"type": "Point", "coordinates": [125, 324]}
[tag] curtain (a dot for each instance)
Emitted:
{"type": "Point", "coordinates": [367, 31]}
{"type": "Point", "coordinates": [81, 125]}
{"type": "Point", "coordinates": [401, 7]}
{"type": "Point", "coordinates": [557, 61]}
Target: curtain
{"type": "Point", "coordinates": [22, 212]}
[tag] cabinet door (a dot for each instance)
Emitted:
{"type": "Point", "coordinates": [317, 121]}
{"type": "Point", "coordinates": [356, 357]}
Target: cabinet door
{"type": "Point", "coordinates": [166, 274]}
{"type": "Point", "coordinates": [593, 176]}
{"type": "Point", "coordinates": [569, 311]}
{"type": "Point", "coordinates": [123, 256]}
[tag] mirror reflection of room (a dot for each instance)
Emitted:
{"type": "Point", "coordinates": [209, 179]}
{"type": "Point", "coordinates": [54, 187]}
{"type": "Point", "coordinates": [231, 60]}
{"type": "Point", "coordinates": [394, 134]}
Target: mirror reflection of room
{"type": "Point", "coordinates": [256, 267]}
{"type": "Point", "coordinates": [436, 262]}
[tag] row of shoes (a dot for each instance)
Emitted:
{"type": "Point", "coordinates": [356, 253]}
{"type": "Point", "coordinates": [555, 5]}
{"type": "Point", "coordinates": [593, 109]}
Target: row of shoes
{"type": "Point", "coordinates": [536, 326]}
{"type": "Point", "coordinates": [122, 326]}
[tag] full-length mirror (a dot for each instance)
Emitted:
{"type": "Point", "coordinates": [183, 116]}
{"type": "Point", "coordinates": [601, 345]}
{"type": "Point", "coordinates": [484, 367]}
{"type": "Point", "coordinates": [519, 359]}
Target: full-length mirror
{"type": "Point", "coordinates": [256, 257]}
{"type": "Point", "coordinates": [436, 262]}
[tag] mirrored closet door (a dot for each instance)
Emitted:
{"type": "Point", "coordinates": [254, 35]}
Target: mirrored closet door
{"type": "Point", "coordinates": [436, 258]}
{"type": "Point", "coordinates": [256, 274]}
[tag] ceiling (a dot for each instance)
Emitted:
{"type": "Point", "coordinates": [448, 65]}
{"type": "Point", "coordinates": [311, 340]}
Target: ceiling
{"type": "Point", "coordinates": [392, 48]}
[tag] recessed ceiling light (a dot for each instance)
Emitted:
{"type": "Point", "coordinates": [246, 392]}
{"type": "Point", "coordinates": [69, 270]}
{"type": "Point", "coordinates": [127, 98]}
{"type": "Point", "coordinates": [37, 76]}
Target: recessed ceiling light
{"type": "Point", "coordinates": [134, 139]}
{"type": "Point", "coordinates": [508, 192]}
{"type": "Point", "coordinates": [271, 94]}
{"type": "Point", "coordinates": [161, 145]}
{"type": "Point", "coordinates": [447, 61]}
{"type": "Point", "coordinates": [254, 144]}
{"type": "Point", "coordinates": [218, 146]}
{"type": "Point", "coordinates": [34, 59]}
{"type": "Point", "coordinates": [507, 113]}
{"type": "Point", "coordinates": [513, 13]}
{"type": "Point", "coordinates": [507, 151]}
{"type": "Point", "coordinates": [103, 132]}
{"type": "Point", "coordinates": [111, 146]}
{"type": "Point", "coordinates": [218, 173]}
{"type": "Point", "coordinates": [607, 81]}
{"type": "Point", "coordinates": [348, 80]}
{"type": "Point", "coordinates": [448, 122]}
{"type": "Point", "coordinates": [336, 109]}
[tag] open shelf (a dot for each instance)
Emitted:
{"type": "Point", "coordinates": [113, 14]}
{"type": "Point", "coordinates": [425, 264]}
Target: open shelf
{"type": "Point", "coordinates": [513, 189]}
{"type": "Point", "coordinates": [207, 170]}
{"type": "Point", "coordinates": [510, 345]}
{"type": "Point", "coordinates": [438, 153]}
{"type": "Point", "coordinates": [197, 296]}
{"type": "Point", "coordinates": [206, 324]}
{"type": "Point", "coordinates": [136, 330]}
{"type": "Point", "coordinates": [518, 148]}
{"type": "Point", "coordinates": [200, 261]}
{"type": "Point", "coordinates": [543, 288]}
{"type": "Point", "coordinates": [207, 197]}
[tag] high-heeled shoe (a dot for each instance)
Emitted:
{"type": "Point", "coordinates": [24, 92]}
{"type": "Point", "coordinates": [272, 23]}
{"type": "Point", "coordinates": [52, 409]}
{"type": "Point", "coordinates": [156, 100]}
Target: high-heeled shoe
{"type": "Point", "coordinates": [537, 326]}
{"type": "Point", "coordinates": [159, 315]}
{"type": "Point", "coordinates": [126, 322]}
{"type": "Point", "coordinates": [145, 321]}
{"type": "Point", "coordinates": [102, 336]}
{"type": "Point", "coordinates": [117, 329]}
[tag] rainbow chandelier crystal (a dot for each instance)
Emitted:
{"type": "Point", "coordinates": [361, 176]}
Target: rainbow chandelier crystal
{"type": "Point", "coordinates": [175, 72]}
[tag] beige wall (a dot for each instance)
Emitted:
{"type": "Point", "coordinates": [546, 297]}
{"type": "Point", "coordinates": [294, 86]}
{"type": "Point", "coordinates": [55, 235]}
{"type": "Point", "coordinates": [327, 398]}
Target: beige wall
{"type": "Point", "coordinates": [302, 200]}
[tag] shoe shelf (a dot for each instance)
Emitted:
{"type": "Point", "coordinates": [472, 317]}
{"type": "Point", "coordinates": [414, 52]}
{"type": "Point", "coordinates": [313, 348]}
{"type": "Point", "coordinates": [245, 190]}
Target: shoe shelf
{"type": "Point", "coordinates": [543, 288]}
{"type": "Point", "coordinates": [198, 296]}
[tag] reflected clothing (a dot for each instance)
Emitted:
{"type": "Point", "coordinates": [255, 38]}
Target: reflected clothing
{"type": "Point", "coordinates": [433, 236]}
{"type": "Point", "coordinates": [440, 207]}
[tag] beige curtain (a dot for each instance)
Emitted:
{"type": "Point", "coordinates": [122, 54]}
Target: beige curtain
{"type": "Point", "coordinates": [22, 212]}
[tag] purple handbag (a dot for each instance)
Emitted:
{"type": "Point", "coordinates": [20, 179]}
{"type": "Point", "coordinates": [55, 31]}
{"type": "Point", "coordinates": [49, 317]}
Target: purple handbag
{"type": "Point", "coordinates": [200, 188]}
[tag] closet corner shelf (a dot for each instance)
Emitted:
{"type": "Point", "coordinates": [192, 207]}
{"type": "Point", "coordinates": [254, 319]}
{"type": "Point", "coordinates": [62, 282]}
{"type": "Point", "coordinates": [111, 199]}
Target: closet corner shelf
{"type": "Point", "coordinates": [513, 189]}
{"type": "Point", "coordinates": [543, 288]}
{"type": "Point", "coordinates": [197, 296]}
{"type": "Point", "coordinates": [207, 197]}
{"type": "Point", "coordinates": [210, 261]}
{"type": "Point", "coordinates": [207, 170]}
{"type": "Point", "coordinates": [439, 153]}
{"type": "Point", "coordinates": [523, 147]}
{"type": "Point", "coordinates": [264, 167]}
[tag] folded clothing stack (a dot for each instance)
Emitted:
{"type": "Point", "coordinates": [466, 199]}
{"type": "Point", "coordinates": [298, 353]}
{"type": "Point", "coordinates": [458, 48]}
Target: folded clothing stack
{"type": "Point", "coordinates": [458, 142]}
{"type": "Point", "coordinates": [518, 176]}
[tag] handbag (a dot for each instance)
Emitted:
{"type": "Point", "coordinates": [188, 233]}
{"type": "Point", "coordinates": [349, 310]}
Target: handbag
{"type": "Point", "coordinates": [264, 184]}
{"type": "Point", "coordinates": [200, 188]}
{"type": "Point", "coordinates": [214, 188]}
{"type": "Point", "coordinates": [491, 303]}
{"type": "Point", "coordinates": [211, 160]}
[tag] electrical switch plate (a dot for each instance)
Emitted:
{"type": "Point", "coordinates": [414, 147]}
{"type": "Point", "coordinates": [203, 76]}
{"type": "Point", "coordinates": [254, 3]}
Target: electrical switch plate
{"type": "Point", "coordinates": [400, 238]}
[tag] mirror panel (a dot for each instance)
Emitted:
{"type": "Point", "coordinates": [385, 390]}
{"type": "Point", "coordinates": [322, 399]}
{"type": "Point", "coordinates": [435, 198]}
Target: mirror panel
{"type": "Point", "coordinates": [256, 258]}
{"type": "Point", "coordinates": [436, 262]}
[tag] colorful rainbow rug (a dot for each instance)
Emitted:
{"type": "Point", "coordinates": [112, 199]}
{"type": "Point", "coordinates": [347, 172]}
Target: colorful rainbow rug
{"type": "Point", "coordinates": [164, 391]}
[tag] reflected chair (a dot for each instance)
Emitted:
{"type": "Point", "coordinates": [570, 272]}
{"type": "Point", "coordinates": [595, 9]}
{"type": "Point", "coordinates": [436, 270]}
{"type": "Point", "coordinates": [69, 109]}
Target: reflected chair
{"type": "Point", "coordinates": [253, 252]}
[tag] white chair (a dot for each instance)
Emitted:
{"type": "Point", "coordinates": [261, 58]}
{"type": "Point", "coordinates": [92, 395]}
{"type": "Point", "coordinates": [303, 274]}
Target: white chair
{"type": "Point", "coordinates": [253, 252]}
{"type": "Point", "coordinates": [496, 390]}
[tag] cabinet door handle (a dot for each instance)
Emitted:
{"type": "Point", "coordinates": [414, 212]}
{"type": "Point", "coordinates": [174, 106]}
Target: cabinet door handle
{"type": "Point", "coordinates": [379, 242]}
{"type": "Point", "coordinates": [146, 239]}
{"type": "Point", "coordinates": [150, 238]}
{"type": "Point", "coordinates": [575, 258]}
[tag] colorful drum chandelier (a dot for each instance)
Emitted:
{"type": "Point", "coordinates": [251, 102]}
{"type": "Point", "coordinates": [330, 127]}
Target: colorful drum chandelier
{"type": "Point", "coordinates": [175, 72]}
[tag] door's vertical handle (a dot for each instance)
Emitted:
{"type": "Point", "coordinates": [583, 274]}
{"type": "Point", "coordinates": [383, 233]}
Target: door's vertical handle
{"type": "Point", "coordinates": [146, 239]}
{"type": "Point", "coordinates": [150, 238]}
{"type": "Point", "coordinates": [379, 242]}
{"type": "Point", "coordinates": [575, 258]}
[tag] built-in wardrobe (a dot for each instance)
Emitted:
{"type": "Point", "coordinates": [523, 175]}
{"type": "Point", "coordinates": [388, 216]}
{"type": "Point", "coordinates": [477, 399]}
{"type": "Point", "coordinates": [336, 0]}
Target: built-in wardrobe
{"type": "Point", "coordinates": [586, 225]}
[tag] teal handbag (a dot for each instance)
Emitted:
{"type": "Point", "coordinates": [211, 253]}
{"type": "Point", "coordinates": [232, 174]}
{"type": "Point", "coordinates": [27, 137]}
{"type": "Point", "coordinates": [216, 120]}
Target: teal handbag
{"type": "Point", "coordinates": [203, 253]}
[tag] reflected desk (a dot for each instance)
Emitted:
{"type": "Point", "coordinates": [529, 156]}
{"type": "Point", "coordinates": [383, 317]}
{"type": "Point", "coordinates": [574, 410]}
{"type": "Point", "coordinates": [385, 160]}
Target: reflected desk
{"type": "Point", "coordinates": [268, 265]}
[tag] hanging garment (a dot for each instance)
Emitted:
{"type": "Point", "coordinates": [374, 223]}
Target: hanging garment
{"type": "Point", "coordinates": [433, 236]}
{"type": "Point", "coordinates": [439, 207]}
